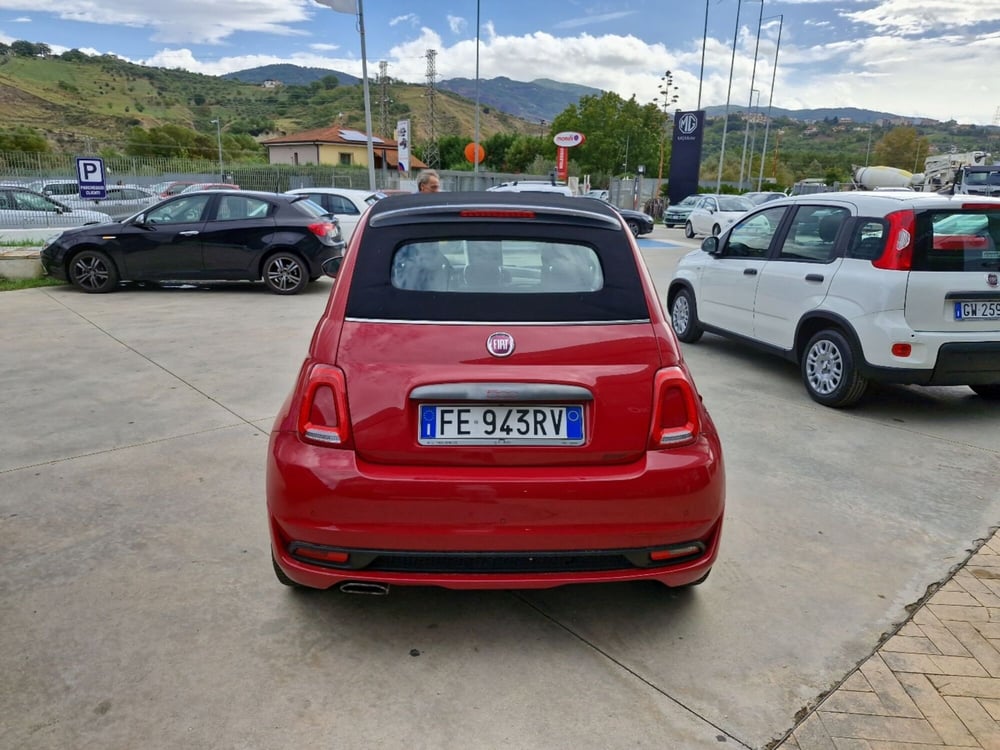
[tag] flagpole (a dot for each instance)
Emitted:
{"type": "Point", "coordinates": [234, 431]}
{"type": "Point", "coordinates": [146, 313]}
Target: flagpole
{"type": "Point", "coordinates": [368, 104]}
{"type": "Point", "coordinates": [355, 7]}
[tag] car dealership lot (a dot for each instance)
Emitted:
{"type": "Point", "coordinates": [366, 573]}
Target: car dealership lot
{"type": "Point", "coordinates": [140, 609]}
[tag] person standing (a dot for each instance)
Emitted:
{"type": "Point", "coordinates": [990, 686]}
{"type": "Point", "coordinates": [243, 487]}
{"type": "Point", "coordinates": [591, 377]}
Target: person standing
{"type": "Point", "coordinates": [428, 182]}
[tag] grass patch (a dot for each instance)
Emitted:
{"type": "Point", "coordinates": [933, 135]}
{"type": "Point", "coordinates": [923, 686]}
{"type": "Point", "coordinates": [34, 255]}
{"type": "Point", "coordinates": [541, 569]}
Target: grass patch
{"type": "Point", "coordinates": [13, 285]}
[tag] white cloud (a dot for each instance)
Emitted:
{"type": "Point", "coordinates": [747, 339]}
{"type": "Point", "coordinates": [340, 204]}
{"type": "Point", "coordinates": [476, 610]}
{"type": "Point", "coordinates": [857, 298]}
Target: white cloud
{"type": "Point", "coordinates": [324, 47]}
{"type": "Point", "coordinates": [410, 18]}
{"type": "Point", "coordinates": [22, 19]}
{"type": "Point", "coordinates": [572, 23]}
{"type": "Point", "coordinates": [914, 17]}
{"type": "Point", "coordinates": [457, 24]}
{"type": "Point", "coordinates": [180, 21]}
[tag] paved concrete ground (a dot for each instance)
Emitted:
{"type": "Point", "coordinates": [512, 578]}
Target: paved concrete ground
{"type": "Point", "coordinates": [139, 608]}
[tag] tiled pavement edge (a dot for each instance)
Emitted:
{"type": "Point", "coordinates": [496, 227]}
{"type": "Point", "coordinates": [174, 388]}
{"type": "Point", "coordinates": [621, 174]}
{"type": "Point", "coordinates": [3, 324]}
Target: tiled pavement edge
{"type": "Point", "coordinates": [935, 683]}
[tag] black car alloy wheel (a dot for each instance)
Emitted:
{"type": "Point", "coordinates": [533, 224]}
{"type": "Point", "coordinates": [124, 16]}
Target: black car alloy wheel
{"type": "Point", "coordinates": [92, 271]}
{"type": "Point", "coordinates": [284, 273]}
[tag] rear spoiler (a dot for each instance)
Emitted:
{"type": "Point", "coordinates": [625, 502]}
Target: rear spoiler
{"type": "Point", "coordinates": [493, 212]}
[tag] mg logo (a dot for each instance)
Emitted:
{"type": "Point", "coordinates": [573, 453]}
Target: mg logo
{"type": "Point", "coordinates": [688, 123]}
{"type": "Point", "coordinates": [500, 344]}
{"type": "Point", "coordinates": [991, 279]}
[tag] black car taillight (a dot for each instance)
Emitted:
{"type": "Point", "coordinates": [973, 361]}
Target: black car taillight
{"type": "Point", "coordinates": [323, 229]}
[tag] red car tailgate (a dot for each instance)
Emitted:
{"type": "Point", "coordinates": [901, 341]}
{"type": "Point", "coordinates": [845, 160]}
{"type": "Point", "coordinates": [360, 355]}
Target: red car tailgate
{"type": "Point", "coordinates": [385, 361]}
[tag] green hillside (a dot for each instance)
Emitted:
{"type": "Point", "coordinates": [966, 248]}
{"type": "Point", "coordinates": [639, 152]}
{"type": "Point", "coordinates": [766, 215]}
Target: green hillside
{"type": "Point", "coordinates": [91, 103]}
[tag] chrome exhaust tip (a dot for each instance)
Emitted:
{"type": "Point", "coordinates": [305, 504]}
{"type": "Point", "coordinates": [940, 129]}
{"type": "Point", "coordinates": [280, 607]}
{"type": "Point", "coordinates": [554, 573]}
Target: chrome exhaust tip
{"type": "Point", "coordinates": [370, 588]}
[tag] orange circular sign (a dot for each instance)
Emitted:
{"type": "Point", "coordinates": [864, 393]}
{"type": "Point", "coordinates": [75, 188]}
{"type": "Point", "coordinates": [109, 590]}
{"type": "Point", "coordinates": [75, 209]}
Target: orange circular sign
{"type": "Point", "coordinates": [470, 154]}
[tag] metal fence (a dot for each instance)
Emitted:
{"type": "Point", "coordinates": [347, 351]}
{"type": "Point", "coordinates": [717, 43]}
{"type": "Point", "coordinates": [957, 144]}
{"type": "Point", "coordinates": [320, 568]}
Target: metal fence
{"type": "Point", "coordinates": [26, 168]}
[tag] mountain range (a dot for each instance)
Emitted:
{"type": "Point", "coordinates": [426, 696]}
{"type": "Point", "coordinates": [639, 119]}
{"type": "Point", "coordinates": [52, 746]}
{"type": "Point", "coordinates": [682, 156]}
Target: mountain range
{"type": "Point", "coordinates": [538, 100]}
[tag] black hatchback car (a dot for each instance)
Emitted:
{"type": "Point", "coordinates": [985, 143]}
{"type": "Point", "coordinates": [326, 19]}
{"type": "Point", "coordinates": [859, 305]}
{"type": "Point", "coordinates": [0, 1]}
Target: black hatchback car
{"type": "Point", "coordinates": [232, 235]}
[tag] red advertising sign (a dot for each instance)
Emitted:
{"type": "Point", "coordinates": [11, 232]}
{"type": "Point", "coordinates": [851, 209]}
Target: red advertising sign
{"type": "Point", "coordinates": [562, 163]}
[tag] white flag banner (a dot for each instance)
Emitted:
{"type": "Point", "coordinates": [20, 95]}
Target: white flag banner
{"type": "Point", "coordinates": [341, 6]}
{"type": "Point", "coordinates": [403, 139]}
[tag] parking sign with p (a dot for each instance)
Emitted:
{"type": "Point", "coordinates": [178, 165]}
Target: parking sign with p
{"type": "Point", "coordinates": [90, 176]}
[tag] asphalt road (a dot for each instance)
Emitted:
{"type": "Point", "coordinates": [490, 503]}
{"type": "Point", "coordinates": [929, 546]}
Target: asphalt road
{"type": "Point", "coordinates": [140, 609]}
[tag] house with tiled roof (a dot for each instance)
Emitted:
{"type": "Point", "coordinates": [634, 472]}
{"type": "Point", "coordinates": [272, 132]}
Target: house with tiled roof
{"type": "Point", "coordinates": [335, 146]}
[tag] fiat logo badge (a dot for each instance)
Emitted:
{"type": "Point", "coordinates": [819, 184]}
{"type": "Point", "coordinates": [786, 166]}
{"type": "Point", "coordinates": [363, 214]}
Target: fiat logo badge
{"type": "Point", "coordinates": [991, 279]}
{"type": "Point", "coordinates": [500, 344]}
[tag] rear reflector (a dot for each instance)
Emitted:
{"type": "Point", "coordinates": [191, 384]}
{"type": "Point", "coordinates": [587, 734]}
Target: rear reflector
{"type": "Point", "coordinates": [319, 554]}
{"type": "Point", "coordinates": [495, 214]}
{"type": "Point", "coordinates": [676, 420]}
{"type": "Point", "coordinates": [678, 550]}
{"type": "Point", "coordinates": [902, 350]}
{"type": "Point", "coordinates": [323, 415]}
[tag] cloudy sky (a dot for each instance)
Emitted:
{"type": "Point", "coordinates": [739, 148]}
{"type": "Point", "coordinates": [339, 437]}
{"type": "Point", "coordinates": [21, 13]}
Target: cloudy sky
{"type": "Point", "coordinates": [923, 58]}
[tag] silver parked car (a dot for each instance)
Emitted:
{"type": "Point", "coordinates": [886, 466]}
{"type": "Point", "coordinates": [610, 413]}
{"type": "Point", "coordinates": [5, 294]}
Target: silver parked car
{"type": "Point", "coordinates": [121, 201]}
{"type": "Point", "coordinates": [21, 208]}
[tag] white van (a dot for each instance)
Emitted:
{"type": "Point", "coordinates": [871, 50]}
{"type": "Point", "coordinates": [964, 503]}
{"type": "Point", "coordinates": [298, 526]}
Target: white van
{"type": "Point", "coordinates": [530, 186]}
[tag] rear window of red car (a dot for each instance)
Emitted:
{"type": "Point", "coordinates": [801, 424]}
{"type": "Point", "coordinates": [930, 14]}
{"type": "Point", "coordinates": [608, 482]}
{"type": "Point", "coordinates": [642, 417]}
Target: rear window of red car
{"type": "Point", "coordinates": [544, 267]}
{"type": "Point", "coordinates": [510, 266]}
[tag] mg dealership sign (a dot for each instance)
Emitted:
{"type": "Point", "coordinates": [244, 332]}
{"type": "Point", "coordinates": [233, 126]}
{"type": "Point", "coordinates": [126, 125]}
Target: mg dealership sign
{"type": "Point", "coordinates": [685, 155]}
{"type": "Point", "coordinates": [565, 141]}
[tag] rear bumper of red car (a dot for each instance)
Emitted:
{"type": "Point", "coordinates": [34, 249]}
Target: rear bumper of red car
{"type": "Point", "coordinates": [334, 520]}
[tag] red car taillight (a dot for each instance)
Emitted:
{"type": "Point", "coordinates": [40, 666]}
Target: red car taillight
{"type": "Point", "coordinates": [676, 419]}
{"type": "Point", "coordinates": [898, 253]}
{"type": "Point", "coordinates": [323, 417]}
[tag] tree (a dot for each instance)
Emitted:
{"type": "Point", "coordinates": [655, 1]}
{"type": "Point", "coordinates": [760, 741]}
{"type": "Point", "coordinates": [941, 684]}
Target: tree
{"type": "Point", "coordinates": [902, 148]}
{"type": "Point", "coordinates": [523, 152]}
{"type": "Point", "coordinates": [22, 48]}
{"type": "Point", "coordinates": [496, 147]}
{"type": "Point", "coordinates": [74, 55]}
{"type": "Point", "coordinates": [620, 135]}
{"type": "Point", "coordinates": [23, 139]}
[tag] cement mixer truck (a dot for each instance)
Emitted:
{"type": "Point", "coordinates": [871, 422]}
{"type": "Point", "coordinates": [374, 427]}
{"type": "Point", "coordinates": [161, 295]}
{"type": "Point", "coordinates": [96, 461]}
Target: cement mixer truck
{"type": "Point", "coordinates": [886, 178]}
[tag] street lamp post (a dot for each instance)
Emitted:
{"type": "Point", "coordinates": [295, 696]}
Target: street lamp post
{"type": "Point", "coordinates": [729, 93]}
{"type": "Point", "coordinates": [218, 135]}
{"type": "Point", "coordinates": [753, 80]}
{"type": "Point", "coordinates": [770, 101]}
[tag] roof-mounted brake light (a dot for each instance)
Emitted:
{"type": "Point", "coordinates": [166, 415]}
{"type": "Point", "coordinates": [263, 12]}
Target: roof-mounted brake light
{"type": "Point", "coordinates": [479, 213]}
